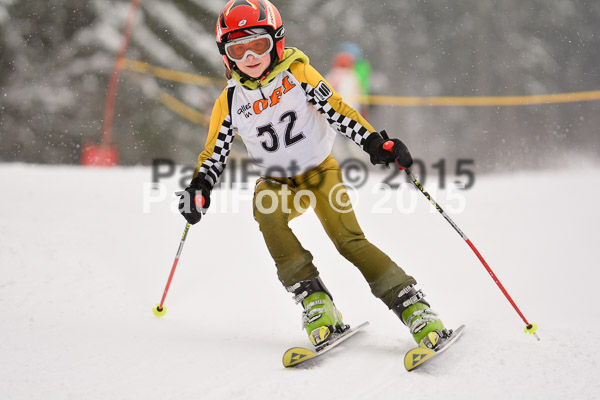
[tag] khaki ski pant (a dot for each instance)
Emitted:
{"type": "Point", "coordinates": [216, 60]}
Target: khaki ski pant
{"type": "Point", "coordinates": [278, 200]}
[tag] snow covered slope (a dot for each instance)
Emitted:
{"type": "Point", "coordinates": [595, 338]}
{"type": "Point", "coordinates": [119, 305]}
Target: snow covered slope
{"type": "Point", "coordinates": [82, 264]}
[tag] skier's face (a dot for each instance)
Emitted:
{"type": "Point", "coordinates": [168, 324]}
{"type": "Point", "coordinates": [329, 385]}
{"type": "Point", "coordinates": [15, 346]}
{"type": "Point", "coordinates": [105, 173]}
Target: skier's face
{"type": "Point", "coordinates": [254, 67]}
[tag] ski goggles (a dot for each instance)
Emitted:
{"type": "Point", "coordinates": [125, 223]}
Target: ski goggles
{"type": "Point", "coordinates": [258, 45]}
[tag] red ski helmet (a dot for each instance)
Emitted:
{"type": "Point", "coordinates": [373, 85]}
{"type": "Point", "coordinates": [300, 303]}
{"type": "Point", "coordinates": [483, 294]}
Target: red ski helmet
{"type": "Point", "coordinates": [242, 15]}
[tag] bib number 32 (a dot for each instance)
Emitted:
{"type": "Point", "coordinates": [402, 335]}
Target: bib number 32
{"type": "Point", "coordinates": [271, 144]}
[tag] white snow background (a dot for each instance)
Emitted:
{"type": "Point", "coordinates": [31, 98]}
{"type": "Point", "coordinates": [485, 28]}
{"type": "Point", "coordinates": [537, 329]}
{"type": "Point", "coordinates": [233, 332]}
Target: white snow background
{"type": "Point", "coordinates": [82, 265]}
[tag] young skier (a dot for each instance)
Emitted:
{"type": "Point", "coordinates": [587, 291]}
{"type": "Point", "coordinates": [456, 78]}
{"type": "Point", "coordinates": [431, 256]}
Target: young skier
{"type": "Point", "coordinates": [287, 115]}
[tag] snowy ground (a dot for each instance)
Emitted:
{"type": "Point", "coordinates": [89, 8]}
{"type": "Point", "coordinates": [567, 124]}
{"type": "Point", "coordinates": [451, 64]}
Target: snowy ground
{"type": "Point", "coordinates": [82, 264]}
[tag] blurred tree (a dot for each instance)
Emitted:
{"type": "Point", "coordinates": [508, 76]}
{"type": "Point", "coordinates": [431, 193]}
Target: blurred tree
{"type": "Point", "coordinates": [55, 60]}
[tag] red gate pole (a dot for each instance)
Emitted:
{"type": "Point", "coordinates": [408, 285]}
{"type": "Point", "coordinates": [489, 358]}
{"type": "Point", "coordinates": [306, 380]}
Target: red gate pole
{"type": "Point", "coordinates": [109, 107]}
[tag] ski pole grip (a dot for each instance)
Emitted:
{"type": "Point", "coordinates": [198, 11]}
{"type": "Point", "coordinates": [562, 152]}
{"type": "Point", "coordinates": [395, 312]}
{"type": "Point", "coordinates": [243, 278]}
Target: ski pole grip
{"type": "Point", "coordinates": [199, 200]}
{"type": "Point", "coordinates": [389, 146]}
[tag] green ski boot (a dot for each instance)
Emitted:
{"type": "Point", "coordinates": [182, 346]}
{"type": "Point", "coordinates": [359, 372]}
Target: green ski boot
{"type": "Point", "coordinates": [424, 324]}
{"type": "Point", "coordinates": [320, 317]}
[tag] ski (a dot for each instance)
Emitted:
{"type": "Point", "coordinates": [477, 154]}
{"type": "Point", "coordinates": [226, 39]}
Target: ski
{"type": "Point", "coordinates": [299, 355]}
{"type": "Point", "coordinates": [420, 355]}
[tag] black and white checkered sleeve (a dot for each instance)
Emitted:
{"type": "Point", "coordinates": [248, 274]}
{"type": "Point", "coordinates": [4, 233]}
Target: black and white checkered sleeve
{"type": "Point", "coordinates": [348, 127]}
{"type": "Point", "coordinates": [213, 167]}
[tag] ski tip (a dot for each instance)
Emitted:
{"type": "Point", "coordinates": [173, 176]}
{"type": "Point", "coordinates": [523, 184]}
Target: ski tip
{"type": "Point", "coordinates": [416, 357]}
{"type": "Point", "coordinates": [419, 355]}
{"type": "Point", "coordinates": [297, 355]}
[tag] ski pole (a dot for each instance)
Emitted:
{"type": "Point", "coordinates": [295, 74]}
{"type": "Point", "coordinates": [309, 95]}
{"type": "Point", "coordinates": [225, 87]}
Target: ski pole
{"type": "Point", "coordinates": [530, 328]}
{"type": "Point", "coordinates": [160, 309]}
